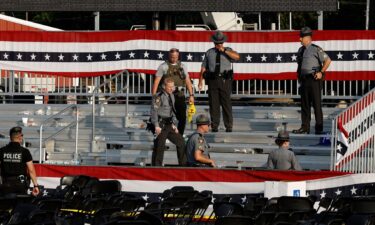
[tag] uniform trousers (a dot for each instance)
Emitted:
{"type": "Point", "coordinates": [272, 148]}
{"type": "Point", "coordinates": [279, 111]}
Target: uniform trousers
{"type": "Point", "coordinates": [180, 107]}
{"type": "Point", "coordinates": [167, 132]}
{"type": "Point", "coordinates": [219, 94]}
{"type": "Point", "coordinates": [311, 95]}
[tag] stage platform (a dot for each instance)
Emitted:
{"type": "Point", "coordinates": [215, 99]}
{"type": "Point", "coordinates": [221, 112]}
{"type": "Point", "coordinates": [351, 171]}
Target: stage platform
{"type": "Point", "coordinates": [150, 182]}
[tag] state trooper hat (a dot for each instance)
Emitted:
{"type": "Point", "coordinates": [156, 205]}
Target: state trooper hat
{"type": "Point", "coordinates": [305, 31]}
{"type": "Point", "coordinates": [282, 136]}
{"type": "Point", "coordinates": [202, 119]}
{"type": "Point", "coordinates": [219, 37]}
{"type": "Point", "coordinates": [15, 130]}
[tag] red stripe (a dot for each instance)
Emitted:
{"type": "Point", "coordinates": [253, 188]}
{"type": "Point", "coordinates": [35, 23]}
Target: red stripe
{"type": "Point", "coordinates": [341, 128]}
{"type": "Point", "coordinates": [185, 36]}
{"type": "Point", "coordinates": [183, 174]}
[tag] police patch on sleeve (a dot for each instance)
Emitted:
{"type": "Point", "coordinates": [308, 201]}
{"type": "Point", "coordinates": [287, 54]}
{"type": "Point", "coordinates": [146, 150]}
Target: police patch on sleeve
{"type": "Point", "coordinates": [200, 143]}
{"type": "Point", "coordinates": [157, 102]}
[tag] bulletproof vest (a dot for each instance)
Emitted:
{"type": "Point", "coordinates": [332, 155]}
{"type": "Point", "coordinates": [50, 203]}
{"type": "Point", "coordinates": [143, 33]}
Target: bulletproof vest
{"type": "Point", "coordinates": [176, 72]}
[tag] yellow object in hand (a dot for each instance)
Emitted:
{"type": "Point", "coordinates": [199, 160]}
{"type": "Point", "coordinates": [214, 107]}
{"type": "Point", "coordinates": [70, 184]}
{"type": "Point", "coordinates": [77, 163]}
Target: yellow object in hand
{"type": "Point", "coordinates": [191, 112]}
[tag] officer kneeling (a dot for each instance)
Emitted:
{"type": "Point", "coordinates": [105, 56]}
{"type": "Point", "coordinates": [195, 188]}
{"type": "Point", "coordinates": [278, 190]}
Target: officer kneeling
{"type": "Point", "coordinates": [17, 166]}
{"type": "Point", "coordinates": [197, 147]}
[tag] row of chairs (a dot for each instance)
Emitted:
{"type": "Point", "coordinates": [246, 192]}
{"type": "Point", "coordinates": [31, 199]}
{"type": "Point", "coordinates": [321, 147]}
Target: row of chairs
{"type": "Point", "coordinates": [84, 200]}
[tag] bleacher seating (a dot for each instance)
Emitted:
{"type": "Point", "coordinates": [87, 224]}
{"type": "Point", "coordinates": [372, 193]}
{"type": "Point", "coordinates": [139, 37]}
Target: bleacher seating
{"type": "Point", "coordinates": [248, 146]}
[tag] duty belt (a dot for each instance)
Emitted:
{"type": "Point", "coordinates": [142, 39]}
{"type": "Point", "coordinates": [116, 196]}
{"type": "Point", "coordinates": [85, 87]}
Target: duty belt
{"type": "Point", "coordinates": [21, 178]}
{"type": "Point", "coordinates": [309, 76]}
{"type": "Point", "coordinates": [166, 120]}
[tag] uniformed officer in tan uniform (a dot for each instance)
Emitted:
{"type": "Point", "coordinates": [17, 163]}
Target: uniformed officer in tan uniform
{"type": "Point", "coordinates": [177, 71]}
{"type": "Point", "coordinates": [163, 118]}
{"type": "Point", "coordinates": [312, 65]}
{"type": "Point", "coordinates": [217, 71]}
{"type": "Point", "coordinates": [197, 147]}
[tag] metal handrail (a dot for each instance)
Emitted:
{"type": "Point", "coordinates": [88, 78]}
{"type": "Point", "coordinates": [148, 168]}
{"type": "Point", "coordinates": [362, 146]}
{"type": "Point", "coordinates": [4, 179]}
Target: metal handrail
{"type": "Point", "coordinates": [356, 119]}
{"type": "Point", "coordinates": [49, 119]}
{"type": "Point", "coordinates": [95, 92]}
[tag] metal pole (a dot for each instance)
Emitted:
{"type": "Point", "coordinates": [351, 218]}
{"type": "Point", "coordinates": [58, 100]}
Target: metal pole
{"type": "Point", "coordinates": [127, 99]}
{"type": "Point", "coordinates": [155, 21]}
{"type": "Point", "coordinates": [320, 20]}
{"type": "Point", "coordinates": [76, 152]}
{"type": "Point", "coordinates": [260, 20]}
{"type": "Point", "coordinates": [367, 14]}
{"type": "Point", "coordinates": [40, 143]}
{"type": "Point", "coordinates": [93, 116]}
{"type": "Point", "coordinates": [97, 20]}
{"type": "Point", "coordinates": [290, 20]}
{"type": "Point", "coordinates": [279, 21]}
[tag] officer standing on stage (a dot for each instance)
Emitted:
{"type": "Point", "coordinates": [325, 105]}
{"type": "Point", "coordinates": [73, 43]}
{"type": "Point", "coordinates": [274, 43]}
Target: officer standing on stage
{"type": "Point", "coordinates": [17, 166]}
{"type": "Point", "coordinates": [283, 158]}
{"type": "Point", "coordinates": [177, 71]}
{"type": "Point", "coordinates": [163, 118]}
{"type": "Point", "coordinates": [312, 65]}
{"type": "Point", "coordinates": [217, 70]}
{"type": "Point", "coordinates": [197, 147]}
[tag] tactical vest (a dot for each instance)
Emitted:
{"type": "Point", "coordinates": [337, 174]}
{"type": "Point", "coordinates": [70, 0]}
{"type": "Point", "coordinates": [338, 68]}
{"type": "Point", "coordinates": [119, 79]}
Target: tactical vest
{"type": "Point", "coordinates": [176, 72]}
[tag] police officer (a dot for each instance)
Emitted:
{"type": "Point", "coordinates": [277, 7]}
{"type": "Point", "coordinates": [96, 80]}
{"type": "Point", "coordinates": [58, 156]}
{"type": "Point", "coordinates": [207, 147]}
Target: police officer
{"type": "Point", "coordinates": [218, 73]}
{"type": "Point", "coordinates": [282, 158]}
{"type": "Point", "coordinates": [163, 117]}
{"type": "Point", "coordinates": [17, 165]}
{"type": "Point", "coordinates": [177, 71]}
{"type": "Point", "coordinates": [312, 65]}
{"type": "Point", "coordinates": [197, 147]}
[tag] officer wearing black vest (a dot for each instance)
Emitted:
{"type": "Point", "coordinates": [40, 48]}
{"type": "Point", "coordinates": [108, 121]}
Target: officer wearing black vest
{"type": "Point", "coordinates": [177, 71]}
{"type": "Point", "coordinates": [17, 166]}
{"type": "Point", "coordinates": [312, 65]}
{"type": "Point", "coordinates": [163, 119]}
{"type": "Point", "coordinates": [217, 71]}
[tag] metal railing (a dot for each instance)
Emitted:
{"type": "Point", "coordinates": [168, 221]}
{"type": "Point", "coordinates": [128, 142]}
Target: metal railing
{"type": "Point", "coordinates": [353, 137]}
{"type": "Point", "coordinates": [103, 101]}
{"type": "Point", "coordinates": [56, 89]}
{"type": "Point", "coordinates": [76, 122]}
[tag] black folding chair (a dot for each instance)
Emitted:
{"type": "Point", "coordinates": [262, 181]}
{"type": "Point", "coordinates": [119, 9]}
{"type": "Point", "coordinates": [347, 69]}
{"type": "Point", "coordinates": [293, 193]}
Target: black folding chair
{"type": "Point", "coordinates": [234, 220]}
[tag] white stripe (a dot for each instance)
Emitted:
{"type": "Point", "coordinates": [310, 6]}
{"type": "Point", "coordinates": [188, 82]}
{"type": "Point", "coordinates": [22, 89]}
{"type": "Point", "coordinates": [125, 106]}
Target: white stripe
{"type": "Point", "coordinates": [160, 186]}
{"type": "Point", "coordinates": [278, 47]}
{"type": "Point", "coordinates": [349, 66]}
{"type": "Point", "coordinates": [340, 181]}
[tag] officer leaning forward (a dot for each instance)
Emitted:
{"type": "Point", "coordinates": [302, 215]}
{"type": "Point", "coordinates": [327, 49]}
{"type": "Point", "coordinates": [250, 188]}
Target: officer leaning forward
{"type": "Point", "coordinates": [312, 65]}
{"type": "Point", "coordinates": [163, 117]}
{"type": "Point", "coordinates": [17, 166]}
{"type": "Point", "coordinates": [218, 73]}
{"type": "Point", "coordinates": [177, 71]}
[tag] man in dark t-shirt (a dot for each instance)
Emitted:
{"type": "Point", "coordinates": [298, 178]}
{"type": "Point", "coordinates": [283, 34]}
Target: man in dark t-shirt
{"type": "Point", "coordinates": [17, 165]}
